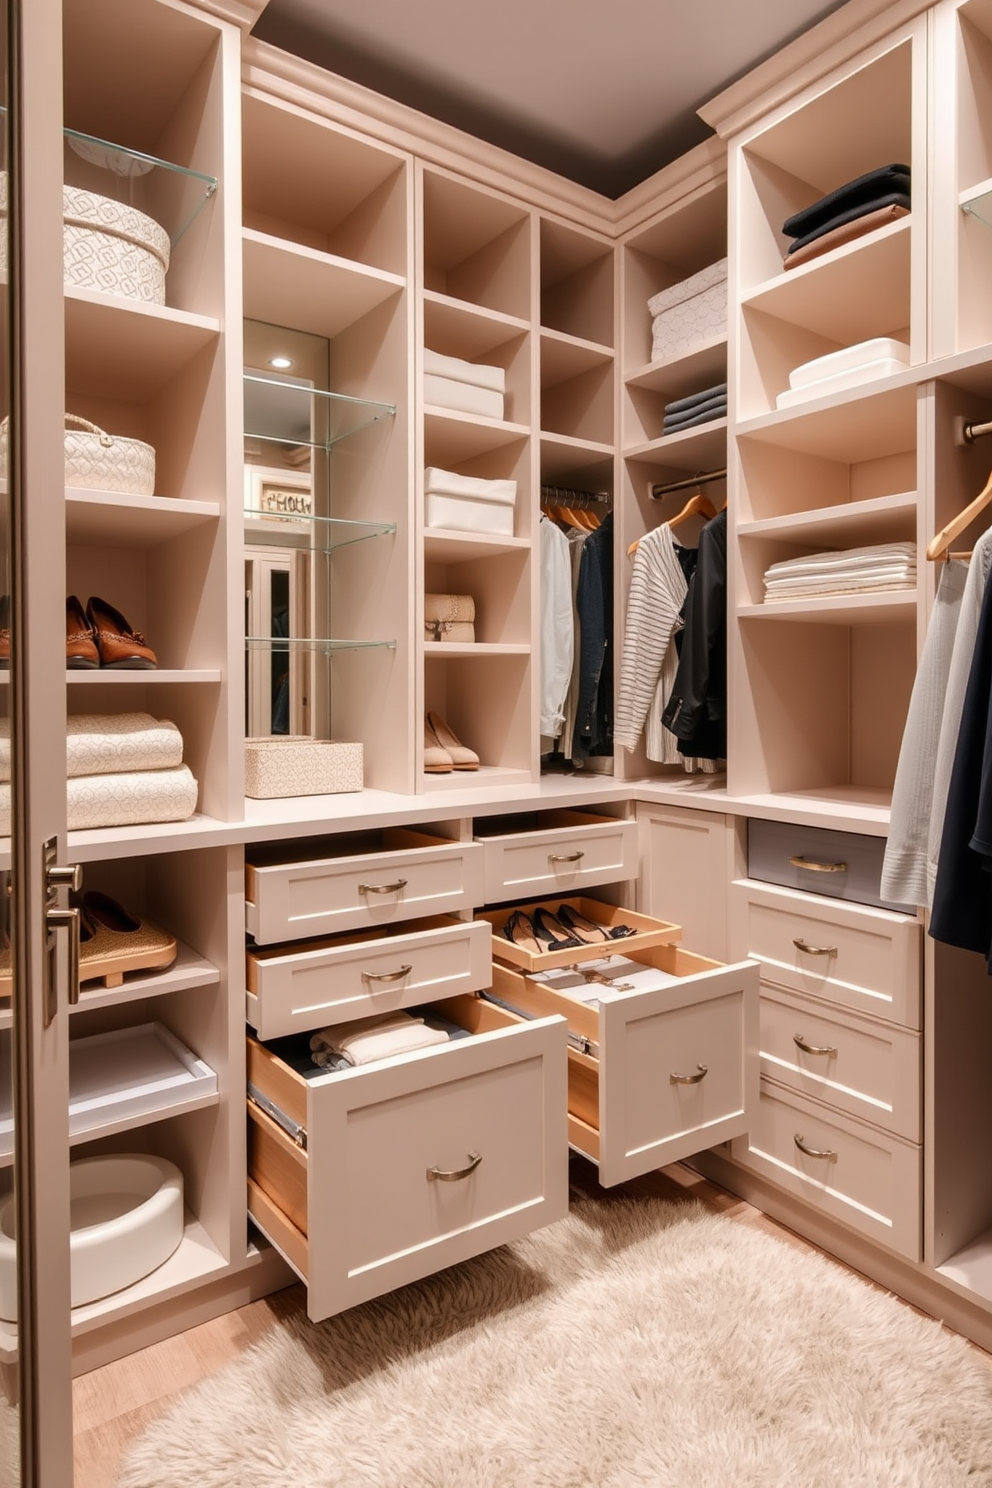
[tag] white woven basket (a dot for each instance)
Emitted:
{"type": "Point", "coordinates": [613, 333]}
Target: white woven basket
{"type": "Point", "coordinates": [99, 461]}
{"type": "Point", "coordinates": [107, 245]}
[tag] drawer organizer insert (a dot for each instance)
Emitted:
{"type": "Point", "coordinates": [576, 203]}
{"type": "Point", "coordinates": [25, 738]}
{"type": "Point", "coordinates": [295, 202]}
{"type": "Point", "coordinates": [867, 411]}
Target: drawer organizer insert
{"type": "Point", "coordinates": [662, 1056]}
{"type": "Point", "coordinates": [356, 881]}
{"type": "Point", "coordinates": [420, 1161]}
{"type": "Point", "coordinates": [647, 932]}
{"type": "Point", "coordinates": [554, 852]}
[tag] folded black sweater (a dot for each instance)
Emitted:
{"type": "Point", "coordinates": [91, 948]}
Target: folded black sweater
{"type": "Point", "coordinates": [869, 188]}
{"type": "Point", "coordinates": [890, 199]}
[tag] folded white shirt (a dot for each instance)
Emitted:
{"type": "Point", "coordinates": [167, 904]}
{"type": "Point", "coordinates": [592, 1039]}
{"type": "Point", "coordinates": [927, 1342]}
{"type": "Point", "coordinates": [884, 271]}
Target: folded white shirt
{"type": "Point", "coordinates": [368, 1039]}
{"type": "Point", "coordinates": [860, 559]}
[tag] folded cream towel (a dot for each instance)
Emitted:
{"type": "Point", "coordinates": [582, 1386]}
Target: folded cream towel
{"type": "Point", "coordinates": [132, 798]}
{"type": "Point", "coordinates": [110, 744]}
{"type": "Point", "coordinates": [368, 1039]}
{"type": "Point", "coordinates": [879, 554]}
{"type": "Point", "coordinates": [474, 373]}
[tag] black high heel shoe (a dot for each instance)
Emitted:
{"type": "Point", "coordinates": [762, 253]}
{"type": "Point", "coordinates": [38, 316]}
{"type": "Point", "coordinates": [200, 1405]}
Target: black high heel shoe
{"type": "Point", "coordinates": [552, 932]}
{"type": "Point", "coordinates": [588, 932]}
{"type": "Point", "coordinates": [519, 929]}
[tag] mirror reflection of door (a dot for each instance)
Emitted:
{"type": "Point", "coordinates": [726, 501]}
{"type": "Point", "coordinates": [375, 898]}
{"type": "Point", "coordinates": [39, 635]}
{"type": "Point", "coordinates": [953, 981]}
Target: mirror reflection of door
{"type": "Point", "coordinates": [276, 609]}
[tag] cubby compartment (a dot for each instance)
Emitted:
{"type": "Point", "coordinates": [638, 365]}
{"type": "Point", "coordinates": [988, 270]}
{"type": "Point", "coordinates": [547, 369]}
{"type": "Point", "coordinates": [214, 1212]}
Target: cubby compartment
{"type": "Point", "coordinates": [757, 554]}
{"type": "Point", "coordinates": [457, 331]}
{"type": "Point", "coordinates": [500, 586]}
{"type": "Point", "coordinates": [576, 283]}
{"type": "Point", "coordinates": [477, 245]}
{"type": "Point", "coordinates": [827, 499]}
{"type": "Point", "coordinates": [644, 406]}
{"type": "Point", "coordinates": [822, 701]}
{"type": "Point", "coordinates": [321, 188]}
{"type": "Point", "coordinates": [486, 700]}
{"type": "Point", "coordinates": [576, 390]}
{"type": "Point", "coordinates": [486, 453]}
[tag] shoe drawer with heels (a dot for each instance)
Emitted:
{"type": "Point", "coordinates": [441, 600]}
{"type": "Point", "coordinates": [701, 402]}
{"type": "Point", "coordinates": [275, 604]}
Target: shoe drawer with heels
{"type": "Point", "coordinates": [418, 1161]}
{"type": "Point", "coordinates": [554, 852]}
{"type": "Point", "coordinates": [297, 987]}
{"type": "Point", "coordinates": [662, 1057]}
{"type": "Point", "coordinates": [556, 932]}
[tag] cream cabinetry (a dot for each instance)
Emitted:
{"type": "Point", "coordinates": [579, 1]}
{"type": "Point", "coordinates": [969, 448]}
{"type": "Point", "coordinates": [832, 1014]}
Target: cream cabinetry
{"type": "Point", "coordinates": [687, 858]}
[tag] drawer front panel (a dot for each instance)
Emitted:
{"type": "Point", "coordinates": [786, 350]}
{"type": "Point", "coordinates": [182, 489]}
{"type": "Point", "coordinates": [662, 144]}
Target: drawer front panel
{"type": "Point", "coordinates": [562, 860]}
{"type": "Point", "coordinates": [861, 958]}
{"type": "Point", "coordinates": [296, 900]}
{"type": "Point", "coordinates": [307, 989]}
{"type": "Point", "coordinates": [376, 1220]}
{"type": "Point", "coordinates": [840, 865]}
{"type": "Point", "coordinates": [872, 1181]}
{"type": "Point", "coordinates": [873, 1072]}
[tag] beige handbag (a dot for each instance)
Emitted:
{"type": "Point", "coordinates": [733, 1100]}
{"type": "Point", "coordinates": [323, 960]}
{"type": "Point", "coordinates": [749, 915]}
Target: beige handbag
{"type": "Point", "coordinates": [449, 617]}
{"type": "Point", "coordinates": [98, 461]}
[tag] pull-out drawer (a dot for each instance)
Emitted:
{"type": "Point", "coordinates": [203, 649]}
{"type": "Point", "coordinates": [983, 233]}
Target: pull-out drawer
{"type": "Point", "coordinates": [296, 988]}
{"type": "Point", "coordinates": [554, 852]}
{"type": "Point", "coordinates": [862, 958]}
{"type": "Point", "coordinates": [868, 1069]}
{"type": "Point", "coordinates": [817, 860]}
{"type": "Point", "coordinates": [401, 1168]}
{"type": "Point", "coordinates": [869, 1179]}
{"type": "Point", "coordinates": [657, 1074]}
{"type": "Point", "coordinates": [369, 879]}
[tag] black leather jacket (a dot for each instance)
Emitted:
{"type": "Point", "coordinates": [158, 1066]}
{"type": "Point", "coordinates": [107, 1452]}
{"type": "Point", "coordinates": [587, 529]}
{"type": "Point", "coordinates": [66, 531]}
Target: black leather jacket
{"type": "Point", "coordinates": [697, 709]}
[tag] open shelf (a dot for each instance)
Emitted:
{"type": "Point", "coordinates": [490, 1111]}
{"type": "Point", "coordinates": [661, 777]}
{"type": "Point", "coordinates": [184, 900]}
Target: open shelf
{"type": "Point", "coordinates": [850, 524]}
{"type": "Point", "coordinates": [677, 376]}
{"type": "Point", "coordinates": [289, 284]}
{"type": "Point", "coordinates": [449, 649]}
{"type": "Point", "coordinates": [851, 609]}
{"type": "Point", "coordinates": [325, 644]}
{"type": "Point", "coordinates": [850, 426]}
{"type": "Point", "coordinates": [172, 195]}
{"type": "Point", "coordinates": [295, 414]}
{"type": "Point", "coordinates": [312, 534]}
{"type": "Point", "coordinates": [114, 519]}
{"type": "Point", "coordinates": [487, 776]}
{"type": "Point", "coordinates": [128, 349]}
{"type": "Point", "coordinates": [462, 547]}
{"type": "Point", "coordinates": [477, 245]}
{"type": "Point", "coordinates": [100, 676]}
{"type": "Point", "coordinates": [698, 448]}
{"type": "Point", "coordinates": [971, 1267]}
{"type": "Point", "coordinates": [188, 970]}
{"type": "Point", "coordinates": [451, 438]}
{"type": "Point", "coordinates": [458, 328]}
{"type": "Point", "coordinates": [584, 462]}
{"type": "Point", "coordinates": [858, 808]}
{"type": "Point", "coordinates": [565, 356]}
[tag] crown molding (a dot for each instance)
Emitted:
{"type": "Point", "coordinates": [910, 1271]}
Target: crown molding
{"type": "Point", "coordinates": [240, 13]}
{"type": "Point", "coordinates": [832, 42]}
{"type": "Point", "coordinates": [698, 169]}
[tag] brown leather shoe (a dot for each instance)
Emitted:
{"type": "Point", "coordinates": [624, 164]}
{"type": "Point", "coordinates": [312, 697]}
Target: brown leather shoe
{"type": "Point", "coordinates": [80, 647]}
{"type": "Point", "coordinates": [117, 643]}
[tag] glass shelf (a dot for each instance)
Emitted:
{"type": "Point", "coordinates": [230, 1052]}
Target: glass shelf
{"type": "Point", "coordinates": [310, 643]}
{"type": "Point", "coordinates": [312, 534]}
{"type": "Point", "coordinates": [283, 411]}
{"type": "Point", "coordinates": [172, 194]}
{"type": "Point", "coordinates": [980, 206]}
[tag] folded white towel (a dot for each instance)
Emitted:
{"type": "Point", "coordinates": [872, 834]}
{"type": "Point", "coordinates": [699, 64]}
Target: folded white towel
{"type": "Point", "coordinates": [450, 483]}
{"type": "Point", "coordinates": [368, 1039]}
{"type": "Point", "coordinates": [877, 555]}
{"type": "Point", "coordinates": [827, 591]}
{"type": "Point", "coordinates": [474, 373]}
{"type": "Point", "coordinates": [131, 798]}
{"type": "Point", "coordinates": [110, 743]}
{"type": "Point", "coordinates": [883, 574]}
{"type": "Point", "coordinates": [687, 289]}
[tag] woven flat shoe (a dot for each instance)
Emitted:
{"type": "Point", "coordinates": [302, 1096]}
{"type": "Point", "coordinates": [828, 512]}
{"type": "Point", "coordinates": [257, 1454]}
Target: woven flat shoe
{"type": "Point", "coordinates": [462, 758]}
{"type": "Point", "coordinates": [118, 644]}
{"type": "Point", "coordinates": [113, 942]}
{"type": "Point", "coordinates": [80, 647]}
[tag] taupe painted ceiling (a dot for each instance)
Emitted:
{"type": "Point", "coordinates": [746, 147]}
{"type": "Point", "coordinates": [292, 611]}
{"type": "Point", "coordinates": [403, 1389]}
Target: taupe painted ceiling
{"type": "Point", "coordinates": [602, 91]}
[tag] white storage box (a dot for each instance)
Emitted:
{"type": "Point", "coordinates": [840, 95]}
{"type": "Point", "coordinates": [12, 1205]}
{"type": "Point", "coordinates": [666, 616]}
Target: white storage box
{"type": "Point", "coordinates": [849, 359]}
{"type": "Point", "coordinates": [689, 312]}
{"type": "Point", "coordinates": [466, 387]}
{"type": "Point", "coordinates": [465, 503]}
{"type": "Point", "coordinates": [297, 765]}
{"type": "Point", "coordinates": [475, 374]}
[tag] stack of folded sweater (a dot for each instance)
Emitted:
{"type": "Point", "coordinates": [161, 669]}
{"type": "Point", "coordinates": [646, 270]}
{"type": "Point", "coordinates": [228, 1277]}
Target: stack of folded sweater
{"type": "Point", "coordinates": [466, 387]}
{"type": "Point", "coordinates": [366, 1040]}
{"type": "Point", "coordinates": [697, 408]}
{"type": "Point", "coordinates": [871, 570]}
{"type": "Point", "coordinates": [123, 769]}
{"type": "Point", "coordinates": [862, 205]}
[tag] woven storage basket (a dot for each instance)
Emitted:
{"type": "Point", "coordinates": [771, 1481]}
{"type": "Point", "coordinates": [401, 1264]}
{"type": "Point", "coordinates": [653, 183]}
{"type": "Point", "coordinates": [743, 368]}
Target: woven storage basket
{"type": "Point", "coordinates": [297, 765]}
{"type": "Point", "coordinates": [99, 461]}
{"type": "Point", "coordinates": [107, 245]}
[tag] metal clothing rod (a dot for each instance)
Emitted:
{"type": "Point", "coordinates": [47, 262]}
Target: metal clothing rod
{"type": "Point", "coordinates": [971, 432]}
{"type": "Point", "coordinates": [704, 479]}
{"type": "Point", "coordinates": [582, 500]}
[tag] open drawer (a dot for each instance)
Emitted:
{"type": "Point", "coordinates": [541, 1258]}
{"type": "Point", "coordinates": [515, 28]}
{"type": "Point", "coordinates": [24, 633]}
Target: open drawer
{"type": "Point", "coordinates": [298, 987]}
{"type": "Point", "coordinates": [655, 1073]}
{"type": "Point", "coordinates": [365, 879]}
{"type": "Point", "coordinates": [554, 852]}
{"type": "Point", "coordinates": [401, 1168]}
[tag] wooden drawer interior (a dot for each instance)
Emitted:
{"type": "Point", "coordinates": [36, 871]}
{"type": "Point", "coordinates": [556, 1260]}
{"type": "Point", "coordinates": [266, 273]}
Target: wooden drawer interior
{"type": "Point", "coordinates": [332, 850]}
{"type": "Point", "coordinates": [647, 932]}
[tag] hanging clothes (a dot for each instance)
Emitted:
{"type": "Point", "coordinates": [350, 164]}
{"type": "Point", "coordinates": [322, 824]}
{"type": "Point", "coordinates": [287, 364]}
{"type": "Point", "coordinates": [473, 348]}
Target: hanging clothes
{"type": "Point", "coordinates": [904, 867]}
{"type": "Point", "coordinates": [593, 733]}
{"type": "Point", "coordinates": [576, 539]}
{"type": "Point", "coordinates": [557, 630]}
{"type": "Point", "coordinates": [962, 901]}
{"type": "Point", "coordinates": [696, 712]}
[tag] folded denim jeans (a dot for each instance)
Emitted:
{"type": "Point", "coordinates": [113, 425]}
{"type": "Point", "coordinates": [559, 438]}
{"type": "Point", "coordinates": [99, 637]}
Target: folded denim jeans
{"type": "Point", "coordinates": [868, 188]}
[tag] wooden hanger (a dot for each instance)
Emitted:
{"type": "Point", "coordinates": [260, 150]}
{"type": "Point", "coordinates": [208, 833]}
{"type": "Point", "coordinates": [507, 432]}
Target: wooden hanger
{"type": "Point", "coordinates": [938, 549]}
{"type": "Point", "coordinates": [697, 505]}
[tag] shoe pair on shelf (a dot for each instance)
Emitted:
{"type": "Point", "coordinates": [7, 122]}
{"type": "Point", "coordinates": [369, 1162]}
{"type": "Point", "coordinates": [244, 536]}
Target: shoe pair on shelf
{"type": "Point", "coordinates": [112, 941]}
{"type": "Point", "coordinates": [443, 752]}
{"type": "Point", "coordinates": [567, 930]}
{"type": "Point", "coordinates": [99, 636]}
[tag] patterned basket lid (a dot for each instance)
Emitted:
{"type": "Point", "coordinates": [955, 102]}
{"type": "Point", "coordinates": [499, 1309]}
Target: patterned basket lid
{"type": "Point", "coordinates": [103, 214]}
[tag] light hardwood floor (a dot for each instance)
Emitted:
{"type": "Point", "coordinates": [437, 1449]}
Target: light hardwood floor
{"type": "Point", "coordinates": [113, 1405]}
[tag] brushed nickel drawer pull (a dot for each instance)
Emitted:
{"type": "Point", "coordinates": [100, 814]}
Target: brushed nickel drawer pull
{"type": "Point", "coordinates": [800, 1142]}
{"type": "Point", "coordinates": [565, 857]}
{"type": "Point", "coordinates": [690, 1079]}
{"type": "Point", "coordinates": [803, 945]}
{"type": "Point", "coordinates": [454, 1175]}
{"type": "Point", "coordinates": [801, 1043]}
{"type": "Point", "coordinates": [386, 976]}
{"type": "Point", "coordinates": [815, 867]}
{"type": "Point", "coordinates": [392, 888]}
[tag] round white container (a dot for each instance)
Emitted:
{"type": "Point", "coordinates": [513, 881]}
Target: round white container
{"type": "Point", "coordinates": [126, 1219]}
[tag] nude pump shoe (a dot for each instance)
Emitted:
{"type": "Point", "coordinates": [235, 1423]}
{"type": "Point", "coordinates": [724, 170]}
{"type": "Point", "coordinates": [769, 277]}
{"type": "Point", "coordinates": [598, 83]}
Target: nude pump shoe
{"type": "Point", "coordinates": [437, 761]}
{"type": "Point", "coordinates": [462, 758]}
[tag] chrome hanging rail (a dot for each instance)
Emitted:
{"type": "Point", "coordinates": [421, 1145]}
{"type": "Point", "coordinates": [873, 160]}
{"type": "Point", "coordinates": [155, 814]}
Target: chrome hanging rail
{"type": "Point", "coordinates": [704, 478]}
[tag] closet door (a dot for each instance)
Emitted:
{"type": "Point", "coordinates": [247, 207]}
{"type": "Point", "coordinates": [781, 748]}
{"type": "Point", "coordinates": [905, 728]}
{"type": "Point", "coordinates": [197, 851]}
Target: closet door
{"type": "Point", "coordinates": [35, 1357]}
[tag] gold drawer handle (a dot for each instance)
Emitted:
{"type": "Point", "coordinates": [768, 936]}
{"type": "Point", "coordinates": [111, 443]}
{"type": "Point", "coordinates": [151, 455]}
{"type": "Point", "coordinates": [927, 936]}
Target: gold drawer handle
{"type": "Point", "coordinates": [386, 976]}
{"type": "Point", "coordinates": [800, 1142]}
{"type": "Point", "coordinates": [690, 1079]}
{"type": "Point", "coordinates": [815, 867]}
{"type": "Point", "coordinates": [803, 945]}
{"type": "Point", "coordinates": [801, 1043]}
{"type": "Point", "coordinates": [392, 888]}
{"type": "Point", "coordinates": [454, 1175]}
{"type": "Point", "coordinates": [565, 857]}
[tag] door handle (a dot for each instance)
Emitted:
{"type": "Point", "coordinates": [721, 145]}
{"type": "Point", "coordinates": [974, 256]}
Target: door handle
{"type": "Point", "coordinates": [60, 876]}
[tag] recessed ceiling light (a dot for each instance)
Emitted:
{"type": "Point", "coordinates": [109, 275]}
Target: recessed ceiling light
{"type": "Point", "coordinates": [281, 362]}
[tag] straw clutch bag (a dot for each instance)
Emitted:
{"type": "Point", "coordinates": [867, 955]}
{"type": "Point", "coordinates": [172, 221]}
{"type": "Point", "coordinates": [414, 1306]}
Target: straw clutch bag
{"type": "Point", "coordinates": [449, 617]}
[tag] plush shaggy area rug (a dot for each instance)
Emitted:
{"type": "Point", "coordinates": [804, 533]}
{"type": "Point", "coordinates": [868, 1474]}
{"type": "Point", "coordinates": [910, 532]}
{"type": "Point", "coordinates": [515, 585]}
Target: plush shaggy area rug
{"type": "Point", "coordinates": [635, 1342]}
